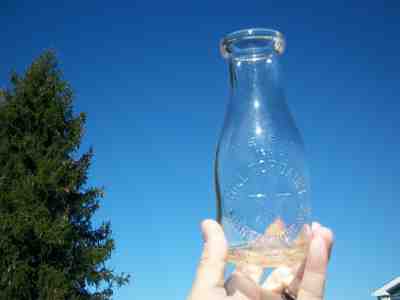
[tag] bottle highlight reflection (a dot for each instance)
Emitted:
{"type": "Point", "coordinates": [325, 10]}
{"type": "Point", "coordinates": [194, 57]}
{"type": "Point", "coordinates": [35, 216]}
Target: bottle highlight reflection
{"type": "Point", "coordinates": [261, 177]}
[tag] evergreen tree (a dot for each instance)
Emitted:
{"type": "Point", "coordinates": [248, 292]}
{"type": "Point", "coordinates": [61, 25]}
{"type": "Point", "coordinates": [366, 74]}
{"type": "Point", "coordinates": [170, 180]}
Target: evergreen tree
{"type": "Point", "coordinates": [49, 248]}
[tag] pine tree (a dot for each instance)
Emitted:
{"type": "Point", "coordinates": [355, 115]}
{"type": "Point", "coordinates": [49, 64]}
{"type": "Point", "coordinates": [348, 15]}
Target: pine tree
{"type": "Point", "coordinates": [49, 248]}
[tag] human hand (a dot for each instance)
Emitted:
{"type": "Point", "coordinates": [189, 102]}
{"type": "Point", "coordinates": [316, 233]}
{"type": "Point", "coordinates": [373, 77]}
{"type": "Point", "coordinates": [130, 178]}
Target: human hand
{"type": "Point", "coordinates": [306, 281]}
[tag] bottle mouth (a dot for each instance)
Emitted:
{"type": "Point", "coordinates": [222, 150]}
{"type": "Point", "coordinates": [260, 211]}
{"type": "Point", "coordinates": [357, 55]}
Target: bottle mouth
{"type": "Point", "coordinates": [252, 44]}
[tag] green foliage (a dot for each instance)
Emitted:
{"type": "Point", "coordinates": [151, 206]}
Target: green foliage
{"type": "Point", "coordinates": [49, 248]}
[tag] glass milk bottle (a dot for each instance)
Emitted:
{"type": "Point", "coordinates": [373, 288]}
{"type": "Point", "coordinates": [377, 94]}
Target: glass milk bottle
{"type": "Point", "coordinates": [261, 177]}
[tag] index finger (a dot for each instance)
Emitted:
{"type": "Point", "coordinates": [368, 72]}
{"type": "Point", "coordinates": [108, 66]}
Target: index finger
{"type": "Point", "coordinates": [313, 283]}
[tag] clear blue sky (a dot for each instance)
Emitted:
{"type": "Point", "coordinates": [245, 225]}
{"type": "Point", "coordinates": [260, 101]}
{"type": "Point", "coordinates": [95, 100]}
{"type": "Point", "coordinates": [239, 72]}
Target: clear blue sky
{"type": "Point", "coordinates": [150, 77]}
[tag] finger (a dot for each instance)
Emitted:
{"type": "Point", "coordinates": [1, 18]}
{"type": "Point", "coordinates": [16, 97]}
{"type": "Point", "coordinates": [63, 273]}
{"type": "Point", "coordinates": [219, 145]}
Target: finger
{"type": "Point", "coordinates": [315, 226]}
{"type": "Point", "coordinates": [254, 272]}
{"type": "Point", "coordinates": [327, 235]}
{"type": "Point", "coordinates": [278, 280]}
{"type": "Point", "coordinates": [210, 271]}
{"type": "Point", "coordinates": [268, 295]}
{"type": "Point", "coordinates": [312, 285]}
{"type": "Point", "coordinates": [289, 277]}
{"type": "Point", "coordinates": [239, 296]}
{"type": "Point", "coordinates": [240, 284]}
{"type": "Point", "coordinates": [293, 287]}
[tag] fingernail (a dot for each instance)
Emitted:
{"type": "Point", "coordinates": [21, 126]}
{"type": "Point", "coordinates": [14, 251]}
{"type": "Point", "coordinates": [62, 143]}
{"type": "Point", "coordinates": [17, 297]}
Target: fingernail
{"type": "Point", "coordinates": [315, 226]}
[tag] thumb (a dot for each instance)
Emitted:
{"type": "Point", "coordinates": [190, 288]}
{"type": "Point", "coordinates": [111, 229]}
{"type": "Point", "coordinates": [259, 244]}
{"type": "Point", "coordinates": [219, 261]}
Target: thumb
{"type": "Point", "coordinates": [210, 272]}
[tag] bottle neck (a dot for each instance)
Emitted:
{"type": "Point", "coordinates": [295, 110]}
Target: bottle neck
{"type": "Point", "coordinates": [255, 82]}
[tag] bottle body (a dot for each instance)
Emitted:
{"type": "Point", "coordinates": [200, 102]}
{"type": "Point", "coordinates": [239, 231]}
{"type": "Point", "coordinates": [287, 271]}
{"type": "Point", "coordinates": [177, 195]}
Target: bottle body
{"type": "Point", "coordinates": [261, 177]}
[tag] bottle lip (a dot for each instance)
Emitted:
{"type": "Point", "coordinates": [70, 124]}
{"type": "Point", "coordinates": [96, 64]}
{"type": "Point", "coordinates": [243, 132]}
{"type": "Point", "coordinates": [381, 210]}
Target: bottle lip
{"type": "Point", "coordinates": [252, 44]}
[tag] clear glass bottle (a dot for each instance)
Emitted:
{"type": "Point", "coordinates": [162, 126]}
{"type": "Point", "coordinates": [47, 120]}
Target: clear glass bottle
{"type": "Point", "coordinates": [261, 177]}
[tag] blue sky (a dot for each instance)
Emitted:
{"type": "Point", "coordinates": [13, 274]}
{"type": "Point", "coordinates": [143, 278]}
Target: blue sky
{"type": "Point", "coordinates": [150, 76]}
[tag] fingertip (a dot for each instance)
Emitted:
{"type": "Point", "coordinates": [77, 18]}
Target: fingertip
{"type": "Point", "coordinates": [206, 226]}
{"type": "Point", "coordinates": [212, 230]}
{"type": "Point", "coordinates": [327, 234]}
{"type": "Point", "coordinates": [210, 225]}
{"type": "Point", "coordinates": [211, 268]}
{"type": "Point", "coordinates": [315, 226]}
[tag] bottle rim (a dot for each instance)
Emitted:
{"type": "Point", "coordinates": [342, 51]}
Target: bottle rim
{"type": "Point", "coordinates": [252, 44]}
